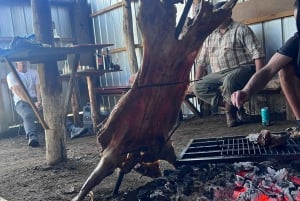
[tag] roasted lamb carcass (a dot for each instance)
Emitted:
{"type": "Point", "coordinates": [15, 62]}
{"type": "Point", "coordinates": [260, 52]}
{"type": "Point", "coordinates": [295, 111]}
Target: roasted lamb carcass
{"type": "Point", "coordinates": [138, 129]}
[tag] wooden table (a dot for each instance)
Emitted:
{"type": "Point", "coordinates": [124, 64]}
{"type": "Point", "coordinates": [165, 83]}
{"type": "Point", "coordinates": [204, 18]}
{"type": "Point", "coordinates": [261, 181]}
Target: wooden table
{"type": "Point", "coordinates": [37, 54]}
{"type": "Point", "coordinates": [89, 74]}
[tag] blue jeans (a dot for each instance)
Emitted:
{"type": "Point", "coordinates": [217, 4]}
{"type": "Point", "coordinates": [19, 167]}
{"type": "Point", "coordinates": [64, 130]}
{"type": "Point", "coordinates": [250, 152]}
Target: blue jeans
{"type": "Point", "coordinates": [25, 111]}
{"type": "Point", "coordinates": [28, 116]}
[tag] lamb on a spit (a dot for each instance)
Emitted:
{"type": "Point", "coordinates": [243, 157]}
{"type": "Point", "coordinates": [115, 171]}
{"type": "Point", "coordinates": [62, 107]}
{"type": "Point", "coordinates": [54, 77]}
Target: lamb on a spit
{"type": "Point", "coordinates": [138, 129]}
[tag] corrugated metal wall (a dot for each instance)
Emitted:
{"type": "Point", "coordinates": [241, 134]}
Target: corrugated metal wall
{"type": "Point", "coordinates": [108, 28]}
{"type": "Point", "coordinates": [16, 20]}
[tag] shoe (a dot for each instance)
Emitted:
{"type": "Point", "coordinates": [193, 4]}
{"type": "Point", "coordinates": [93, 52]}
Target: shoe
{"type": "Point", "coordinates": [230, 112]}
{"type": "Point", "coordinates": [33, 142]}
{"type": "Point", "coordinates": [77, 131]}
{"type": "Point", "coordinates": [242, 116]}
{"type": "Point", "coordinates": [231, 120]}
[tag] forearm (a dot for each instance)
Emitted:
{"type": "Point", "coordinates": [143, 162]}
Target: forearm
{"type": "Point", "coordinates": [263, 76]}
{"type": "Point", "coordinates": [258, 81]}
{"type": "Point", "coordinates": [259, 63]}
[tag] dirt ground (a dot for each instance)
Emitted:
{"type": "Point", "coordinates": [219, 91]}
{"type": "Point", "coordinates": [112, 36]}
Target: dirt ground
{"type": "Point", "coordinates": [25, 176]}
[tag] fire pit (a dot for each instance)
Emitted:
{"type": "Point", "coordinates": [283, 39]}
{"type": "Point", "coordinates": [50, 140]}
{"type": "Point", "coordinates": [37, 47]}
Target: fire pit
{"type": "Point", "coordinates": [227, 168]}
{"type": "Point", "coordinates": [258, 183]}
{"type": "Point", "coordinates": [243, 181]}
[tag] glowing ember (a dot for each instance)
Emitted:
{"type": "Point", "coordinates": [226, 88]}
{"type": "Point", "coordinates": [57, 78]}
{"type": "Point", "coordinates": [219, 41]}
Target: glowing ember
{"type": "Point", "coordinates": [265, 184]}
{"type": "Point", "coordinates": [245, 181]}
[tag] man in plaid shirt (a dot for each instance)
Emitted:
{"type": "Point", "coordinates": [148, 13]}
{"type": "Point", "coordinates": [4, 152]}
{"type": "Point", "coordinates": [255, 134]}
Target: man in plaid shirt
{"type": "Point", "coordinates": [234, 54]}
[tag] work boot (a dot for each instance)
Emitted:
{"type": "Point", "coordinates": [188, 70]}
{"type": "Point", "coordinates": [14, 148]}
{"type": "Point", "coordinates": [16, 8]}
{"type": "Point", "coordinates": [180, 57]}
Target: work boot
{"type": "Point", "coordinates": [77, 132]}
{"type": "Point", "coordinates": [230, 112]}
{"type": "Point", "coordinates": [242, 116]}
{"type": "Point", "coordinates": [33, 142]}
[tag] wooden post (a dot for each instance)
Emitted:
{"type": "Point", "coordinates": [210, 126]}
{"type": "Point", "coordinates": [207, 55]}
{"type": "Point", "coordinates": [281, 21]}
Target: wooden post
{"type": "Point", "coordinates": [128, 33]}
{"type": "Point", "coordinates": [51, 88]}
{"type": "Point", "coordinates": [75, 104]}
{"type": "Point", "coordinates": [93, 103]}
{"type": "Point", "coordinates": [82, 25]}
{"type": "Point", "coordinates": [71, 93]}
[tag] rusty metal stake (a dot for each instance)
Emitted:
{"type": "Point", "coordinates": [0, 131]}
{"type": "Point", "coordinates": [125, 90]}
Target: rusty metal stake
{"type": "Point", "coordinates": [119, 181]}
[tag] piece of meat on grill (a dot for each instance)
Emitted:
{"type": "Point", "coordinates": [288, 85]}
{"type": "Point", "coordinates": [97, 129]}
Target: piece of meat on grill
{"type": "Point", "coordinates": [294, 132]}
{"type": "Point", "coordinates": [267, 138]}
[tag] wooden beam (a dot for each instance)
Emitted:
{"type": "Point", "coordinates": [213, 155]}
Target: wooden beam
{"type": "Point", "coordinates": [255, 11]}
{"type": "Point", "coordinates": [122, 49]}
{"type": "Point", "coordinates": [52, 2]}
{"type": "Point", "coordinates": [93, 103]}
{"type": "Point", "coordinates": [74, 64]}
{"type": "Point", "coordinates": [107, 9]}
{"type": "Point", "coordinates": [82, 26]}
{"type": "Point", "coordinates": [269, 17]}
{"type": "Point", "coordinates": [52, 53]}
{"type": "Point", "coordinates": [64, 40]}
{"type": "Point", "coordinates": [51, 88]}
{"type": "Point", "coordinates": [129, 36]}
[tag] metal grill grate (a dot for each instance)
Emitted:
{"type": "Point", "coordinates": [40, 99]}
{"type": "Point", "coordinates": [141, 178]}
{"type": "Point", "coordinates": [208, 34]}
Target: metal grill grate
{"type": "Point", "coordinates": [234, 149]}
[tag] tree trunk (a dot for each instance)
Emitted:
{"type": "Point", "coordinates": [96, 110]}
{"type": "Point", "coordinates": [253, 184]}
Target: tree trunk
{"type": "Point", "coordinates": [138, 129]}
{"type": "Point", "coordinates": [51, 88]}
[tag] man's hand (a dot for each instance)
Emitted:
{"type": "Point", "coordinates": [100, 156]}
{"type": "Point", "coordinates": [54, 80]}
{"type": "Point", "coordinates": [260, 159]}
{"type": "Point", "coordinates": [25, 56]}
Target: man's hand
{"type": "Point", "coordinates": [238, 98]}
